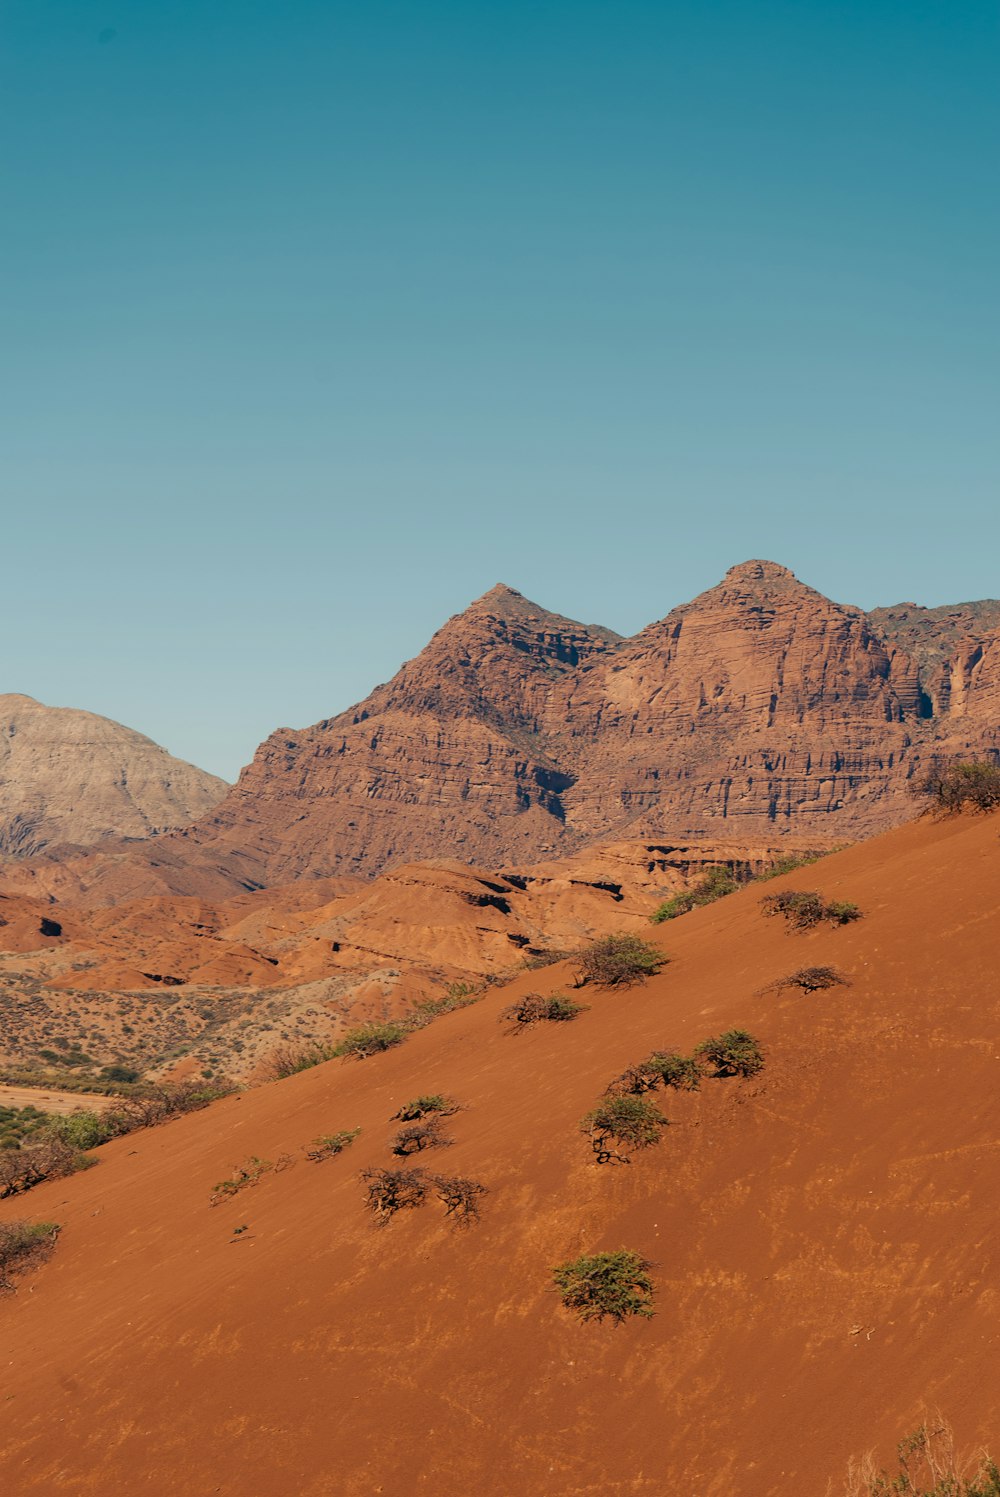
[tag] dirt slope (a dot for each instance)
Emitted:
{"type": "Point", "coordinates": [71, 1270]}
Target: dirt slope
{"type": "Point", "coordinates": [825, 1240]}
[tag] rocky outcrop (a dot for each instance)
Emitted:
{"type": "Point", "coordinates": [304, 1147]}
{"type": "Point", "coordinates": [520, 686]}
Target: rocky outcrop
{"type": "Point", "coordinates": [72, 777]}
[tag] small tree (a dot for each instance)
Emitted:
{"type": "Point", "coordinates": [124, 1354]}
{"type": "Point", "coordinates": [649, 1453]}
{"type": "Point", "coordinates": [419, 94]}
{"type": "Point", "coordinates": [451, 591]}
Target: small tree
{"type": "Point", "coordinates": [735, 1053]}
{"type": "Point", "coordinates": [618, 962]}
{"type": "Point", "coordinates": [974, 785]}
{"type": "Point", "coordinates": [616, 1285]}
{"type": "Point", "coordinates": [534, 1009]}
{"type": "Point", "coordinates": [390, 1191]}
{"type": "Point", "coordinates": [629, 1121]}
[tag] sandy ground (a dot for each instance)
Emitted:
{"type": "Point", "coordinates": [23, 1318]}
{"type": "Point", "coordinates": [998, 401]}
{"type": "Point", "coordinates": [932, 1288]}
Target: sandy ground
{"type": "Point", "coordinates": [50, 1101]}
{"type": "Point", "coordinates": [824, 1239]}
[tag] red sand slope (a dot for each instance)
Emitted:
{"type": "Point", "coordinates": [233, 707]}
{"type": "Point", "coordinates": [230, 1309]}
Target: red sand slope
{"type": "Point", "coordinates": [825, 1235]}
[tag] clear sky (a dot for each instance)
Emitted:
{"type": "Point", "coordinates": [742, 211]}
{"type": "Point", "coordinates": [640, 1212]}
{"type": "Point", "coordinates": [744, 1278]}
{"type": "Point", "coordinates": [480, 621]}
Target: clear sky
{"type": "Point", "coordinates": [320, 318]}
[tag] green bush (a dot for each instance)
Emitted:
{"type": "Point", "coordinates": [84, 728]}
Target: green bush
{"type": "Point", "coordinates": [716, 884]}
{"type": "Point", "coordinates": [735, 1053]}
{"type": "Point", "coordinates": [606, 1284]}
{"type": "Point", "coordinates": [535, 1009]}
{"type": "Point", "coordinates": [330, 1144]}
{"type": "Point", "coordinates": [662, 1068]}
{"type": "Point", "coordinates": [628, 1121]}
{"type": "Point", "coordinates": [804, 909]}
{"type": "Point", "coordinates": [792, 863]}
{"type": "Point", "coordinates": [419, 1107]}
{"type": "Point", "coordinates": [23, 1245]}
{"type": "Point", "coordinates": [20, 1123]}
{"type": "Point", "coordinates": [975, 785]}
{"type": "Point", "coordinates": [372, 1039]}
{"type": "Point", "coordinates": [618, 961]}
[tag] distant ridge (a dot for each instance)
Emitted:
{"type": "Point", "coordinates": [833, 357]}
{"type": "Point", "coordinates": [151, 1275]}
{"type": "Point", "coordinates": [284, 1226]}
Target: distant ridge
{"type": "Point", "coordinates": [759, 709]}
{"type": "Point", "coordinates": [68, 776]}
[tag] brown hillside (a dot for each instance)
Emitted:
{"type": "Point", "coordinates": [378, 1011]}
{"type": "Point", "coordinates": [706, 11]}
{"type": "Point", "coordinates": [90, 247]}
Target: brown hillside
{"type": "Point", "coordinates": [824, 1237]}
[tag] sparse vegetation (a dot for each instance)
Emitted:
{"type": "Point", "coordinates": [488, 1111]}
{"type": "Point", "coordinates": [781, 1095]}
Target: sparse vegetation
{"type": "Point", "coordinates": [618, 961]}
{"type": "Point", "coordinates": [663, 1068]}
{"type": "Point", "coordinates": [535, 960]}
{"type": "Point", "coordinates": [792, 863]}
{"type": "Point", "coordinates": [288, 1060]}
{"type": "Point", "coordinates": [716, 884]}
{"type": "Point", "coordinates": [735, 1053]}
{"type": "Point", "coordinates": [20, 1123]}
{"type": "Point", "coordinates": [416, 1137]}
{"type": "Point", "coordinates": [927, 1466]}
{"type": "Point", "coordinates": [244, 1177]}
{"type": "Point", "coordinates": [23, 1246]}
{"type": "Point", "coordinates": [372, 1039]}
{"type": "Point", "coordinates": [625, 1120]}
{"type": "Point", "coordinates": [812, 979]}
{"type": "Point", "coordinates": [805, 909]}
{"type": "Point", "coordinates": [47, 1157]}
{"type": "Point", "coordinates": [973, 786]}
{"type": "Point", "coordinates": [614, 1285]}
{"type": "Point", "coordinates": [420, 1107]}
{"type": "Point", "coordinates": [460, 1197]}
{"type": "Point", "coordinates": [390, 1191]}
{"type": "Point", "coordinates": [330, 1144]}
{"type": "Point", "coordinates": [535, 1009]}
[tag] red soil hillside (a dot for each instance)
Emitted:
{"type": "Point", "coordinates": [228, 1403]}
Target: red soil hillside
{"type": "Point", "coordinates": [824, 1235]}
{"type": "Point", "coordinates": [224, 982]}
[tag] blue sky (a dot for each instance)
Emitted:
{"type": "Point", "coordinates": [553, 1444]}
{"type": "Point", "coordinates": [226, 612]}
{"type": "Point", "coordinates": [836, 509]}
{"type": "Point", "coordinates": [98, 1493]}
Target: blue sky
{"type": "Point", "coordinates": [318, 319]}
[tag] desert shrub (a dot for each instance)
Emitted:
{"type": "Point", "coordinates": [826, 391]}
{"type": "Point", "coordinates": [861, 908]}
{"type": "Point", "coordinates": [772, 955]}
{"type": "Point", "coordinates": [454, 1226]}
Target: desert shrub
{"type": "Point", "coordinates": [813, 979]}
{"type": "Point", "coordinates": [288, 1060]}
{"type": "Point", "coordinates": [606, 1284]}
{"type": "Point", "coordinates": [618, 961]}
{"type": "Point", "coordinates": [46, 1158]}
{"type": "Point", "coordinates": [416, 1137]}
{"type": "Point", "coordinates": [735, 1053]}
{"type": "Point", "coordinates": [420, 1107]}
{"type": "Point", "coordinates": [534, 1009]}
{"type": "Point", "coordinates": [457, 995]}
{"type": "Point", "coordinates": [390, 1191]}
{"type": "Point", "coordinates": [244, 1176]}
{"type": "Point", "coordinates": [927, 1466]}
{"type": "Point", "coordinates": [460, 1197]}
{"type": "Point", "coordinates": [23, 1245]}
{"type": "Point", "coordinates": [716, 884]}
{"type": "Point", "coordinates": [628, 1121]}
{"type": "Point", "coordinates": [975, 785]}
{"type": "Point", "coordinates": [804, 909]}
{"type": "Point", "coordinates": [331, 1144]}
{"type": "Point", "coordinates": [841, 912]}
{"type": "Point", "coordinates": [662, 1068]}
{"type": "Point", "coordinates": [371, 1039]}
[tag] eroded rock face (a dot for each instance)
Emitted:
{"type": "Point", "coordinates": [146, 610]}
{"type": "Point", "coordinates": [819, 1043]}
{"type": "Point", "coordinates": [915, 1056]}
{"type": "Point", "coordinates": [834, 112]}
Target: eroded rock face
{"type": "Point", "coordinates": [73, 777]}
{"type": "Point", "coordinates": [760, 707]}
